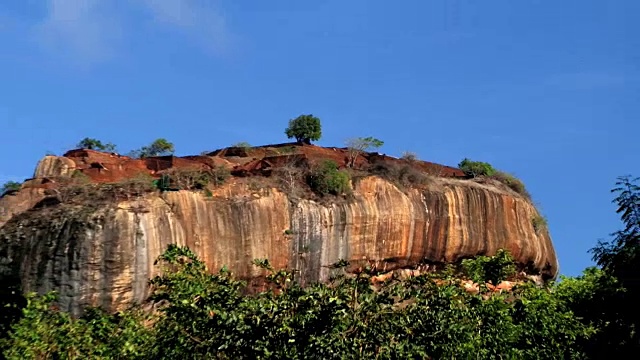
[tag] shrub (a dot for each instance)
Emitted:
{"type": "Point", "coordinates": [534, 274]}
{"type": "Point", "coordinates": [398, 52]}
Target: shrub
{"type": "Point", "coordinates": [242, 144]}
{"type": "Point", "coordinates": [47, 333]}
{"type": "Point", "coordinates": [94, 144]}
{"type": "Point", "coordinates": [539, 223]}
{"type": "Point", "coordinates": [476, 168]}
{"type": "Point", "coordinates": [192, 178]}
{"type": "Point", "coordinates": [327, 179]}
{"type": "Point", "coordinates": [359, 145]}
{"type": "Point", "coordinates": [409, 156]}
{"type": "Point", "coordinates": [512, 182]}
{"type": "Point", "coordinates": [304, 128]}
{"type": "Point", "coordinates": [403, 175]}
{"type": "Point", "coordinates": [10, 186]}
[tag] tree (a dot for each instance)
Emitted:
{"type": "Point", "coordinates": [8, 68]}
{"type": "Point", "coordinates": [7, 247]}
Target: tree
{"type": "Point", "coordinates": [159, 147]}
{"type": "Point", "coordinates": [476, 168]}
{"type": "Point", "coordinates": [94, 144]}
{"type": "Point", "coordinates": [356, 146]}
{"type": "Point", "coordinates": [620, 258]}
{"type": "Point", "coordinates": [304, 128]}
{"type": "Point", "coordinates": [10, 186]}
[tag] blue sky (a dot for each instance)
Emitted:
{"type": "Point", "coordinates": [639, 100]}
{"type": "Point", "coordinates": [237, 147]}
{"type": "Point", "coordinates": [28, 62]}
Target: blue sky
{"type": "Point", "coordinates": [547, 90]}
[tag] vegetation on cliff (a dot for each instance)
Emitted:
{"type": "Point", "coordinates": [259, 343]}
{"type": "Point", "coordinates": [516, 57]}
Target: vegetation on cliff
{"type": "Point", "coordinates": [202, 315]}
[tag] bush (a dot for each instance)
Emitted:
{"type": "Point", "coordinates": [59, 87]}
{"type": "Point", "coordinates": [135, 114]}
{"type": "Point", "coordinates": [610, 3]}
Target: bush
{"type": "Point", "coordinates": [94, 144]}
{"type": "Point", "coordinates": [242, 144]}
{"type": "Point", "coordinates": [539, 223]}
{"type": "Point", "coordinates": [409, 156]}
{"type": "Point", "coordinates": [512, 182]}
{"type": "Point", "coordinates": [402, 175]}
{"type": "Point", "coordinates": [10, 186]}
{"type": "Point", "coordinates": [304, 128]}
{"type": "Point", "coordinates": [192, 178]}
{"type": "Point", "coordinates": [476, 168]}
{"type": "Point", "coordinates": [327, 179]}
{"type": "Point", "coordinates": [47, 333]}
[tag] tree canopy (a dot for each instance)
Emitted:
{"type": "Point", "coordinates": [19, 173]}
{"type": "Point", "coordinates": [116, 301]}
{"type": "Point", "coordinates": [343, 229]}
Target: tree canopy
{"type": "Point", "coordinates": [158, 147]}
{"type": "Point", "coordinates": [94, 144]}
{"type": "Point", "coordinates": [10, 186]}
{"type": "Point", "coordinates": [304, 128]}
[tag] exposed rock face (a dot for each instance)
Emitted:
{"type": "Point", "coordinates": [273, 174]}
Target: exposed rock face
{"type": "Point", "coordinates": [52, 166]}
{"type": "Point", "coordinates": [104, 256]}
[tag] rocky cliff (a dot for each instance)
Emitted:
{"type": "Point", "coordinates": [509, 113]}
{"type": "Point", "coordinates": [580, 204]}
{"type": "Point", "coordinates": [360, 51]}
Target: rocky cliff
{"type": "Point", "coordinates": [103, 252]}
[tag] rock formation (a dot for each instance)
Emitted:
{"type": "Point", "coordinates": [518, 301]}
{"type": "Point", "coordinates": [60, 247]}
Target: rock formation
{"type": "Point", "coordinates": [94, 251]}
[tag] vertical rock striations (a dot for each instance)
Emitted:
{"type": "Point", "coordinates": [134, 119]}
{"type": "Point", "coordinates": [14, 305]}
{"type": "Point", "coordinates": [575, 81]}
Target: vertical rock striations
{"type": "Point", "coordinates": [105, 255]}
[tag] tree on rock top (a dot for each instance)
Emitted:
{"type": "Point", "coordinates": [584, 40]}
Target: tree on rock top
{"type": "Point", "coordinates": [304, 128]}
{"type": "Point", "coordinates": [94, 144]}
{"type": "Point", "coordinates": [159, 147]}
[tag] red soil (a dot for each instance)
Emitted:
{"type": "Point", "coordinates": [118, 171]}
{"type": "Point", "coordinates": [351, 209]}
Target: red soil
{"type": "Point", "coordinates": [102, 167]}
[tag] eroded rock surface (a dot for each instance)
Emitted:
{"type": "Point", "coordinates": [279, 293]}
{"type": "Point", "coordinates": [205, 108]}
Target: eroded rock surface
{"type": "Point", "coordinates": [104, 255]}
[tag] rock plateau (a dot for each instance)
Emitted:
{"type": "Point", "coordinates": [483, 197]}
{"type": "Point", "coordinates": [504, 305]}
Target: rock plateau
{"type": "Point", "coordinates": [94, 249]}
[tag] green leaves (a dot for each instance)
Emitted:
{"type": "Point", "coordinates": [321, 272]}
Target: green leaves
{"type": "Point", "coordinates": [304, 129]}
{"type": "Point", "coordinates": [94, 144]}
{"type": "Point", "coordinates": [492, 269]}
{"type": "Point", "coordinates": [10, 186]}
{"type": "Point", "coordinates": [44, 332]}
{"type": "Point", "coordinates": [327, 179]}
{"type": "Point", "coordinates": [211, 315]}
{"type": "Point", "coordinates": [476, 168]}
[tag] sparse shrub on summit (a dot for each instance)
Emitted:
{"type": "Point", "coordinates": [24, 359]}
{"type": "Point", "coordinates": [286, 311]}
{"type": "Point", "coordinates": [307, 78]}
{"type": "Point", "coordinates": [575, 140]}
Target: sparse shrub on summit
{"type": "Point", "coordinates": [476, 168]}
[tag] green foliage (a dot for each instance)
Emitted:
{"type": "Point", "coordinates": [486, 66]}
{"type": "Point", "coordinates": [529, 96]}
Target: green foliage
{"type": "Point", "coordinates": [192, 178]}
{"type": "Point", "coordinates": [94, 144]}
{"type": "Point", "coordinates": [304, 129]}
{"type": "Point", "coordinates": [201, 315]}
{"type": "Point", "coordinates": [479, 168]}
{"type": "Point", "coordinates": [512, 182]}
{"type": "Point", "coordinates": [46, 333]}
{"type": "Point", "coordinates": [327, 179]}
{"type": "Point", "coordinates": [492, 269]}
{"type": "Point", "coordinates": [476, 168]}
{"type": "Point", "coordinates": [619, 258]}
{"type": "Point", "coordinates": [242, 144]}
{"type": "Point", "coordinates": [539, 223]}
{"type": "Point", "coordinates": [10, 186]}
{"type": "Point", "coordinates": [160, 147]}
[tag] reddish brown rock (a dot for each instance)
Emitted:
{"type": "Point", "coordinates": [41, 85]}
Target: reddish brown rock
{"type": "Point", "coordinates": [104, 254]}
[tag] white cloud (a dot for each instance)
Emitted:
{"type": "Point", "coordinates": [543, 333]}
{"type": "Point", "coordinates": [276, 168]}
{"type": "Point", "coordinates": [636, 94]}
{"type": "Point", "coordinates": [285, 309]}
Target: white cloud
{"type": "Point", "coordinates": [91, 31]}
{"type": "Point", "coordinates": [86, 30]}
{"type": "Point", "coordinates": [201, 21]}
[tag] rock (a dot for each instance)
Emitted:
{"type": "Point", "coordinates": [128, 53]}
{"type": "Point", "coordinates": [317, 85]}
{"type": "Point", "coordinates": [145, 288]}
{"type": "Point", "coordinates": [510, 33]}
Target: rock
{"type": "Point", "coordinates": [102, 254]}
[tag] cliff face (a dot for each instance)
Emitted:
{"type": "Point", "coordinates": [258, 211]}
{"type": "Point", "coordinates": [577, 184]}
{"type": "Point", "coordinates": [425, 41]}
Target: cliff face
{"type": "Point", "coordinates": [105, 255]}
